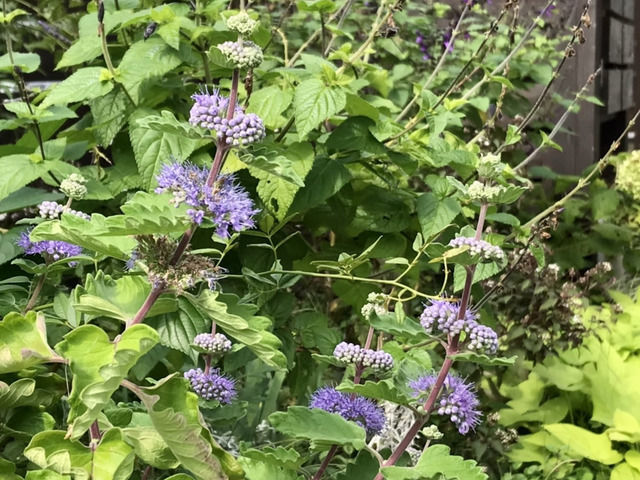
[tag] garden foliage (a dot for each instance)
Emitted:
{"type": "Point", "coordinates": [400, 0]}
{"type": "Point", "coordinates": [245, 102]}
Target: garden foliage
{"type": "Point", "coordinates": [254, 243]}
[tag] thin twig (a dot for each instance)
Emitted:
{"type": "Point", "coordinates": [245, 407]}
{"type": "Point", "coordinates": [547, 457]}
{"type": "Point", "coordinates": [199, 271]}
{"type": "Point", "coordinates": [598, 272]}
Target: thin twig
{"type": "Point", "coordinates": [562, 120]}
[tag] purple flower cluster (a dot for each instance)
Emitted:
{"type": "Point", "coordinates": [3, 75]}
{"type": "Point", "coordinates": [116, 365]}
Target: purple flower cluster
{"type": "Point", "coordinates": [212, 385]}
{"type": "Point", "coordinates": [217, 344]}
{"type": "Point", "coordinates": [53, 210]}
{"type": "Point", "coordinates": [441, 317]}
{"type": "Point", "coordinates": [377, 360]}
{"type": "Point", "coordinates": [355, 408]}
{"type": "Point", "coordinates": [422, 44]}
{"type": "Point", "coordinates": [227, 204]}
{"type": "Point", "coordinates": [54, 249]}
{"type": "Point", "coordinates": [478, 248]}
{"type": "Point", "coordinates": [457, 400]}
{"type": "Point", "coordinates": [210, 112]}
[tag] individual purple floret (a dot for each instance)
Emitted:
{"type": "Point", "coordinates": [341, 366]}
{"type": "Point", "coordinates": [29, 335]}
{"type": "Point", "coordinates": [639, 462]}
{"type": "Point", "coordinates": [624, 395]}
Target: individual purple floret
{"type": "Point", "coordinates": [377, 360]}
{"type": "Point", "coordinates": [217, 344]}
{"type": "Point", "coordinates": [210, 112]}
{"type": "Point", "coordinates": [212, 385]}
{"type": "Point", "coordinates": [442, 317]}
{"type": "Point", "coordinates": [355, 408]}
{"type": "Point", "coordinates": [457, 400]}
{"type": "Point", "coordinates": [226, 204]}
{"type": "Point", "coordinates": [348, 352]}
{"type": "Point", "coordinates": [479, 248]}
{"type": "Point", "coordinates": [54, 249]}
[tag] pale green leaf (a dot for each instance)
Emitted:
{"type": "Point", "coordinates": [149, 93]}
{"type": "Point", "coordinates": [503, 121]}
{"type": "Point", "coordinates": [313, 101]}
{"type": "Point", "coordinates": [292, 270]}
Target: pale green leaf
{"type": "Point", "coordinates": [585, 443]}
{"type": "Point", "coordinates": [321, 428]}
{"type": "Point", "coordinates": [434, 462]}
{"type": "Point", "coordinates": [98, 372]}
{"type": "Point", "coordinates": [436, 214]}
{"type": "Point", "coordinates": [174, 412]}
{"type": "Point", "coordinates": [23, 342]}
{"type": "Point", "coordinates": [27, 62]}
{"type": "Point", "coordinates": [84, 84]}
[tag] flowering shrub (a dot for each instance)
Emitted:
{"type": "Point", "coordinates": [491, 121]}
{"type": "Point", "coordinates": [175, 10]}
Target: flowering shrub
{"type": "Point", "coordinates": [285, 223]}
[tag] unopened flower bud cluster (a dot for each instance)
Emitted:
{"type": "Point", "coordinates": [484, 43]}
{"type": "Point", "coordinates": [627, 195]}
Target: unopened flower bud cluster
{"type": "Point", "coordinates": [242, 23]}
{"type": "Point", "coordinates": [214, 344]}
{"type": "Point", "coordinates": [441, 318]}
{"type": "Point", "coordinates": [478, 248]}
{"type": "Point", "coordinates": [210, 112]}
{"type": "Point", "coordinates": [212, 384]}
{"type": "Point", "coordinates": [479, 192]}
{"type": "Point", "coordinates": [74, 186]}
{"type": "Point", "coordinates": [243, 55]}
{"type": "Point", "coordinates": [377, 360]}
{"type": "Point", "coordinates": [376, 303]}
{"type": "Point", "coordinates": [490, 166]}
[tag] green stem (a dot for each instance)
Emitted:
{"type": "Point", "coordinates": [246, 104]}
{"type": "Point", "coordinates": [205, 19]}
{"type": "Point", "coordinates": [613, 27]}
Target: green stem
{"type": "Point", "coordinates": [36, 293]}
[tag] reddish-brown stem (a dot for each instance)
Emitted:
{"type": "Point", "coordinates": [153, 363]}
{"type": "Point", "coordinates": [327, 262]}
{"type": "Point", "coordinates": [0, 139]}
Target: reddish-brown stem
{"type": "Point", "coordinates": [146, 306]}
{"type": "Point", "coordinates": [452, 349]}
{"type": "Point", "coordinates": [147, 472]}
{"type": "Point", "coordinates": [218, 161]}
{"type": "Point", "coordinates": [94, 432]}
{"type": "Point", "coordinates": [325, 463]}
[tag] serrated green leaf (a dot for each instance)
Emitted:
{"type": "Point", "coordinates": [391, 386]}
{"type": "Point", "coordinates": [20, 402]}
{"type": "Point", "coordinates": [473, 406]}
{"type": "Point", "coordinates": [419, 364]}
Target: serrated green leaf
{"type": "Point", "coordinates": [23, 342]}
{"type": "Point", "coordinates": [321, 428]}
{"type": "Point", "coordinates": [436, 214]}
{"type": "Point", "coordinates": [110, 114]}
{"type": "Point", "coordinates": [314, 102]}
{"type": "Point", "coordinates": [239, 322]}
{"type": "Point", "coordinates": [144, 60]}
{"type": "Point", "coordinates": [437, 460]}
{"type": "Point", "coordinates": [481, 359]}
{"type": "Point", "coordinates": [153, 148]}
{"type": "Point", "coordinates": [177, 330]}
{"type": "Point", "coordinates": [174, 412]}
{"type": "Point", "coordinates": [80, 232]}
{"type": "Point", "coordinates": [269, 104]}
{"type": "Point", "coordinates": [167, 122]}
{"type": "Point", "coordinates": [381, 390]}
{"type": "Point", "coordinates": [281, 175]}
{"type": "Point", "coordinates": [84, 84]}
{"type": "Point", "coordinates": [97, 372]}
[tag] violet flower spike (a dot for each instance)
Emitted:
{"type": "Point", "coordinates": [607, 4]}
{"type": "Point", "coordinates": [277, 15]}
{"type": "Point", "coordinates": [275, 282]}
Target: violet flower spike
{"type": "Point", "coordinates": [355, 408]}
{"type": "Point", "coordinates": [55, 249]}
{"type": "Point", "coordinates": [457, 400]}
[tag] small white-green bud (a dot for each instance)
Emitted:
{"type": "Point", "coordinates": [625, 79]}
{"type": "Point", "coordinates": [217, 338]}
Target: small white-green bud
{"type": "Point", "coordinates": [242, 23]}
{"type": "Point", "coordinates": [490, 166]}
{"type": "Point", "coordinates": [432, 432]}
{"type": "Point", "coordinates": [245, 55]}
